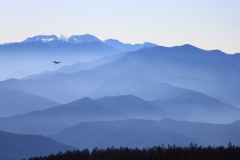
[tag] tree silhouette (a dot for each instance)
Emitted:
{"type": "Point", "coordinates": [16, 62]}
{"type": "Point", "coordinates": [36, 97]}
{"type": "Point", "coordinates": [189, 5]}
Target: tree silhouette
{"type": "Point", "coordinates": [192, 152]}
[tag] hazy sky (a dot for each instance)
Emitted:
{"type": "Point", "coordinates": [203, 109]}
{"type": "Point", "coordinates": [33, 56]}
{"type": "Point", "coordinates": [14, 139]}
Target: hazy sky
{"type": "Point", "coordinates": [207, 24]}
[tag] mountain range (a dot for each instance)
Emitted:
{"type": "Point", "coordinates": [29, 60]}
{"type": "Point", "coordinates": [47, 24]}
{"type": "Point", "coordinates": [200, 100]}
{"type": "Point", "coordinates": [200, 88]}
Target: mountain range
{"type": "Point", "coordinates": [55, 119]}
{"type": "Point", "coordinates": [109, 93]}
{"type": "Point", "coordinates": [35, 54]}
{"type": "Point", "coordinates": [185, 66]}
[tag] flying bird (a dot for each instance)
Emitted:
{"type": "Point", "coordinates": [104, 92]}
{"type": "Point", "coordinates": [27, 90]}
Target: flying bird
{"type": "Point", "coordinates": [56, 62]}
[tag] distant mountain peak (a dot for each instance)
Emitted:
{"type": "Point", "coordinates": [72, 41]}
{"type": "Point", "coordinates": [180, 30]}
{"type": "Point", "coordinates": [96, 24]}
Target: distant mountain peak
{"type": "Point", "coordinates": [187, 46]}
{"type": "Point", "coordinates": [62, 37]}
{"type": "Point", "coordinates": [112, 41]}
{"type": "Point", "coordinates": [73, 39]}
{"type": "Point", "coordinates": [83, 38]}
{"type": "Point", "coordinates": [126, 46]}
{"type": "Point", "coordinates": [149, 44]}
{"type": "Point", "coordinates": [115, 41]}
{"type": "Point", "coordinates": [123, 97]}
{"type": "Point", "coordinates": [82, 101]}
{"type": "Point", "coordinates": [40, 37]}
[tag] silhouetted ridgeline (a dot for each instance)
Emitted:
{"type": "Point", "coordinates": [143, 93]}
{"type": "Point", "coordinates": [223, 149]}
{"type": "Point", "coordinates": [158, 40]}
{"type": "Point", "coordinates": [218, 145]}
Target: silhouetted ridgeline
{"type": "Point", "coordinates": [193, 152]}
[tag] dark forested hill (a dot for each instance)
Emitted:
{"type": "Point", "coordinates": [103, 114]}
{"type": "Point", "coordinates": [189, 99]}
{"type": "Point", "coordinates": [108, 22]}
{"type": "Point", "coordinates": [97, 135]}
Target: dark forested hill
{"type": "Point", "coordinates": [154, 153]}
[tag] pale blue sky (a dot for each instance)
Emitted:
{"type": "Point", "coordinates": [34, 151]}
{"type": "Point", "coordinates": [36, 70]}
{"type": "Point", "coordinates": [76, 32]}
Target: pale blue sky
{"type": "Point", "coordinates": [207, 24]}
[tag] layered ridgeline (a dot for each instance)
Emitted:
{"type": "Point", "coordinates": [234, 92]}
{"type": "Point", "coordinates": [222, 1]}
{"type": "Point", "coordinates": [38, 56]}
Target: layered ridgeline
{"type": "Point", "coordinates": [35, 54]}
{"type": "Point", "coordinates": [55, 119]}
{"type": "Point", "coordinates": [126, 121]}
{"type": "Point", "coordinates": [140, 73]}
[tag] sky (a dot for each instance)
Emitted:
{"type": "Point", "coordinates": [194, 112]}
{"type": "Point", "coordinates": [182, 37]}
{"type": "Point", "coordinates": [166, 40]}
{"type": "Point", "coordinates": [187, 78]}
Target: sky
{"type": "Point", "coordinates": [207, 24]}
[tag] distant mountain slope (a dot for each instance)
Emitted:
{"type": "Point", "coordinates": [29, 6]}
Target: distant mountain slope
{"type": "Point", "coordinates": [178, 103]}
{"type": "Point", "coordinates": [189, 61]}
{"type": "Point", "coordinates": [76, 67]}
{"type": "Point", "coordinates": [219, 88]}
{"type": "Point", "coordinates": [143, 134]}
{"type": "Point", "coordinates": [134, 107]}
{"type": "Point", "coordinates": [16, 102]}
{"type": "Point", "coordinates": [167, 101]}
{"type": "Point", "coordinates": [57, 118]}
{"type": "Point", "coordinates": [127, 47]}
{"type": "Point", "coordinates": [15, 146]}
{"type": "Point", "coordinates": [189, 105]}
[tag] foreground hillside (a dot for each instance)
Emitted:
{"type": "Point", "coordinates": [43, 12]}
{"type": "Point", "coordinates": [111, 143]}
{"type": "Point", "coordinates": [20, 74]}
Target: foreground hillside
{"type": "Point", "coordinates": [15, 146]}
{"type": "Point", "coordinates": [192, 152]}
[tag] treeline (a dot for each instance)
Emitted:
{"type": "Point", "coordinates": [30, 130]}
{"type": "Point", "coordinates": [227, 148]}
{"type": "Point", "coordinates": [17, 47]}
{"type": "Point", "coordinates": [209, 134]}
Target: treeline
{"type": "Point", "coordinates": [193, 152]}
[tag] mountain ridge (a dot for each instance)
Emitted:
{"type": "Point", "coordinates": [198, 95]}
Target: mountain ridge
{"type": "Point", "coordinates": [123, 107]}
{"type": "Point", "coordinates": [51, 120]}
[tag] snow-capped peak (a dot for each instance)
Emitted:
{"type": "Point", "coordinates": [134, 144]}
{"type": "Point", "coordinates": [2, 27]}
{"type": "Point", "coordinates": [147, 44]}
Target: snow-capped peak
{"type": "Point", "coordinates": [47, 40]}
{"type": "Point", "coordinates": [63, 38]}
{"type": "Point", "coordinates": [83, 38]}
{"type": "Point", "coordinates": [72, 39]}
{"type": "Point", "coordinates": [40, 37]}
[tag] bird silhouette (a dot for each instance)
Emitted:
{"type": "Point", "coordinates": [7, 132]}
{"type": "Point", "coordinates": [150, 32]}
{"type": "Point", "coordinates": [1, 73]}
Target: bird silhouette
{"type": "Point", "coordinates": [56, 62]}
